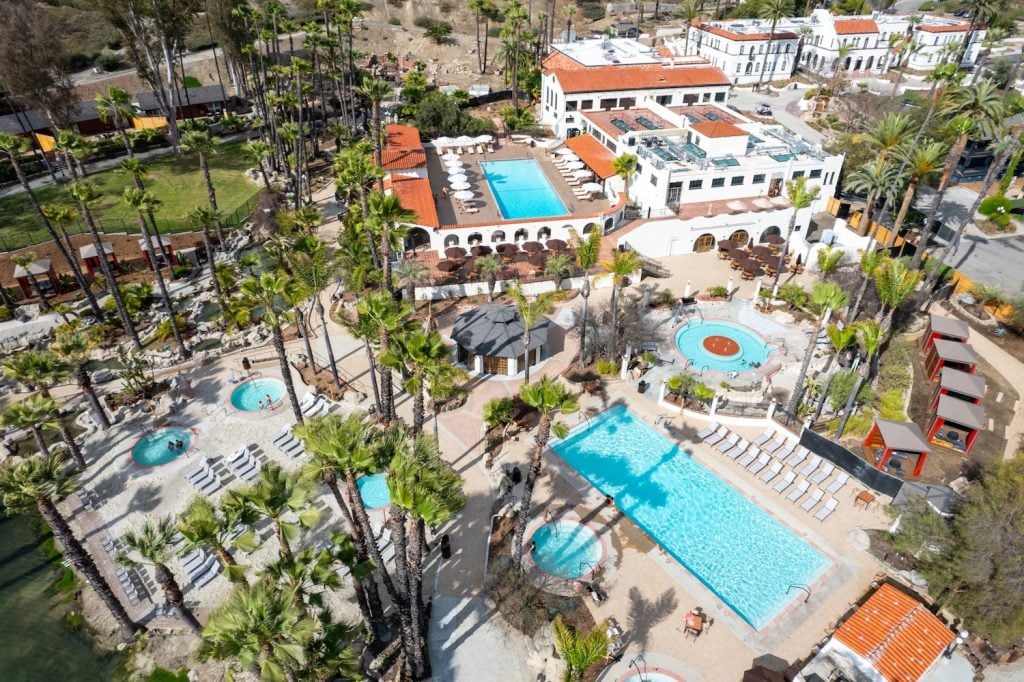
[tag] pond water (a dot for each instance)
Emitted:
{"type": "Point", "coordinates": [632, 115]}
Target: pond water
{"type": "Point", "coordinates": [37, 643]}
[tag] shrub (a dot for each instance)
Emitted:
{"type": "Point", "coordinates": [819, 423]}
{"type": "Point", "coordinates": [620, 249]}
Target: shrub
{"type": "Point", "coordinates": [606, 367]}
{"type": "Point", "coordinates": [440, 32]}
{"type": "Point", "coordinates": [192, 82]}
{"type": "Point", "coordinates": [927, 6]}
{"type": "Point", "coordinates": [76, 61]}
{"type": "Point", "coordinates": [108, 61]}
{"type": "Point", "coordinates": [718, 291]}
{"type": "Point", "coordinates": [182, 271]}
{"type": "Point", "coordinates": [494, 32]}
{"type": "Point", "coordinates": [422, 22]}
{"type": "Point", "coordinates": [664, 298]}
{"type": "Point", "coordinates": [5, 314]}
{"type": "Point", "coordinates": [395, 21]}
{"type": "Point", "coordinates": [445, 7]}
{"type": "Point", "coordinates": [890, 405]}
{"type": "Point", "coordinates": [114, 44]}
{"type": "Point", "coordinates": [839, 391]}
{"type": "Point", "coordinates": [593, 11]}
{"type": "Point", "coordinates": [793, 294]}
{"type": "Point", "coordinates": [989, 293]}
{"type": "Point", "coordinates": [163, 330]}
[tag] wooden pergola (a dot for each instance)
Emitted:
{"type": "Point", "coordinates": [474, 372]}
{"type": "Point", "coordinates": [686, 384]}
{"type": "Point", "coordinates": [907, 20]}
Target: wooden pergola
{"type": "Point", "coordinates": [956, 424]}
{"type": "Point", "coordinates": [41, 267]}
{"type": "Point", "coordinates": [947, 328]}
{"type": "Point", "coordinates": [92, 260]}
{"type": "Point", "coordinates": [895, 441]}
{"type": "Point", "coordinates": [952, 354]}
{"type": "Point", "coordinates": [962, 385]}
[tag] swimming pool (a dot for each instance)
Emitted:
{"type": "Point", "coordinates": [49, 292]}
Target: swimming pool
{"type": "Point", "coordinates": [251, 395]}
{"type": "Point", "coordinates": [721, 346]}
{"type": "Point", "coordinates": [651, 675]}
{"type": "Point", "coordinates": [740, 552]}
{"type": "Point", "coordinates": [566, 549]}
{"type": "Point", "coordinates": [521, 189]}
{"type": "Point", "coordinates": [374, 490]}
{"type": "Point", "coordinates": [152, 449]}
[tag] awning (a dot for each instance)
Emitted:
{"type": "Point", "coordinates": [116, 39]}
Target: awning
{"type": "Point", "coordinates": [593, 153]}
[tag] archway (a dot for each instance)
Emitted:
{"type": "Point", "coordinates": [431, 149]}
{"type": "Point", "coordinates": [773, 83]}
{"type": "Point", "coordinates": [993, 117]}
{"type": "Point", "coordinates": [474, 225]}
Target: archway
{"type": "Point", "coordinates": [859, 64]}
{"type": "Point", "coordinates": [497, 236]}
{"type": "Point", "coordinates": [416, 238]}
{"type": "Point", "coordinates": [588, 228]}
{"type": "Point", "coordinates": [520, 235]}
{"type": "Point", "coordinates": [869, 64]}
{"type": "Point", "coordinates": [544, 233]}
{"type": "Point", "coordinates": [608, 224]}
{"type": "Point", "coordinates": [739, 238]}
{"type": "Point", "coordinates": [451, 240]}
{"type": "Point", "coordinates": [846, 64]}
{"type": "Point", "coordinates": [773, 230]}
{"type": "Point", "coordinates": [749, 69]}
{"type": "Point", "coordinates": [704, 243]}
{"type": "Point", "coordinates": [475, 238]}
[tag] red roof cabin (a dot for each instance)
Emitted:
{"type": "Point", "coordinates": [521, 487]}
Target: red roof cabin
{"type": "Point", "coordinates": [92, 261]}
{"type": "Point", "coordinates": [948, 328]}
{"type": "Point", "coordinates": [890, 443]}
{"type": "Point", "coordinates": [157, 242]}
{"type": "Point", "coordinates": [952, 354]}
{"type": "Point", "coordinates": [956, 424]}
{"type": "Point", "coordinates": [962, 385]}
{"type": "Point", "coordinates": [28, 278]}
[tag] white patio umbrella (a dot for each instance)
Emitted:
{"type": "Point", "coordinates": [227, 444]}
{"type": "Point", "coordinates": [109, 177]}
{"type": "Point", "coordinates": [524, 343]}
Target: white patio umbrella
{"type": "Point", "coordinates": [455, 167]}
{"type": "Point", "coordinates": [582, 173]}
{"type": "Point", "coordinates": [442, 142]}
{"type": "Point", "coordinates": [459, 186]}
{"type": "Point", "coordinates": [463, 140]}
{"type": "Point", "coordinates": [457, 177]}
{"type": "Point", "coordinates": [569, 158]}
{"type": "Point", "coordinates": [484, 138]}
{"type": "Point", "coordinates": [464, 195]}
{"type": "Point", "coordinates": [576, 165]}
{"type": "Point", "coordinates": [565, 151]}
{"type": "Point", "coordinates": [591, 187]}
{"type": "Point", "coordinates": [451, 156]}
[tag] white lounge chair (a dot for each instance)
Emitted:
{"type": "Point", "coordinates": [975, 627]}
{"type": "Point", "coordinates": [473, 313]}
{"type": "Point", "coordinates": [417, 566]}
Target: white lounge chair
{"type": "Point", "coordinates": [284, 434]}
{"type": "Point", "coordinates": [784, 482]}
{"type": "Point", "coordinates": [811, 466]}
{"type": "Point", "coordinates": [814, 498]}
{"type": "Point", "coordinates": [798, 492]}
{"type": "Point", "coordinates": [786, 450]}
{"type": "Point", "coordinates": [761, 463]}
{"type": "Point", "coordinates": [717, 436]}
{"type": "Point", "coordinates": [775, 444]}
{"type": "Point", "coordinates": [388, 553]}
{"type": "Point", "coordinates": [798, 457]}
{"type": "Point", "coordinates": [772, 472]}
{"type": "Point", "coordinates": [837, 484]}
{"type": "Point", "coordinates": [728, 443]}
{"type": "Point", "coordinates": [191, 560]}
{"type": "Point", "coordinates": [749, 457]}
{"type": "Point", "coordinates": [707, 430]}
{"type": "Point", "coordinates": [768, 434]}
{"type": "Point", "coordinates": [738, 449]}
{"type": "Point", "coordinates": [821, 474]}
{"type": "Point", "coordinates": [827, 509]}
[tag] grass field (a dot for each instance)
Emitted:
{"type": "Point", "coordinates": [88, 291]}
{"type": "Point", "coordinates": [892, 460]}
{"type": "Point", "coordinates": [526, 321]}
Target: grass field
{"type": "Point", "coordinates": [175, 180]}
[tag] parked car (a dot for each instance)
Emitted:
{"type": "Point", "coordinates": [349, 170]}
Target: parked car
{"type": "Point", "coordinates": [764, 109]}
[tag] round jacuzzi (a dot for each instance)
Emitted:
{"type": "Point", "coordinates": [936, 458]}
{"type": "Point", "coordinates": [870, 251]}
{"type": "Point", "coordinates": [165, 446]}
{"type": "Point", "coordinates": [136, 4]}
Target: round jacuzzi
{"type": "Point", "coordinates": [253, 395]}
{"type": "Point", "coordinates": [162, 445]}
{"type": "Point", "coordinates": [721, 346]}
{"type": "Point", "coordinates": [374, 490]}
{"type": "Point", "coordinates": [652, 675]}
{"type": "Point", "coordinates": [566, 549]}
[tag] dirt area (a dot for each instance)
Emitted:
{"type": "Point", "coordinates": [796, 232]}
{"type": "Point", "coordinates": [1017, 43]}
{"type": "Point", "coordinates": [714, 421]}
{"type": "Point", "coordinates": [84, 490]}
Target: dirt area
{"type": "Point", "coordinates": [1011, 342]}
{"type": "Point", "coordinates": [883, 550]}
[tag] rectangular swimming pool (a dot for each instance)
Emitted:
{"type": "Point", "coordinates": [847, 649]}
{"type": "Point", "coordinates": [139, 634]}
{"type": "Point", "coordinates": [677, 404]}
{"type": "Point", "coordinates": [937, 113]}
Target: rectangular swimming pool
{"type": "Point", "coordinates": [739, 551]}
{"type": "Point", "coordinates": [521, 189]}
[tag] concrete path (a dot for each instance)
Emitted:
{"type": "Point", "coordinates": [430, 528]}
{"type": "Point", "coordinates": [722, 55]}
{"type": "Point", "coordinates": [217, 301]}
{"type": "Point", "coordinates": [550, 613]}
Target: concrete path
{"type": "Point", "coordinates": [469, 642]}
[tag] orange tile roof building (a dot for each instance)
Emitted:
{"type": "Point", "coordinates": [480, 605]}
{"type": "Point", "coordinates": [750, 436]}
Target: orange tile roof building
{"type": "Point", "coordinates": [403, 150]}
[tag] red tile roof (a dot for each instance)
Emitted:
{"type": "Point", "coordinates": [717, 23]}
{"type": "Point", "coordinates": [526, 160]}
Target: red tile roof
{"type": "Point", "coordinates": [718, 129]}
{"type": "Point", "coordinates": [743, 37]}
{"type": "Point", "coordinates": [593, 153]}
{"type": "Point", "coordinates": [415, 195]}
{"type": "Point", "coordinates": [558, 61]}
{"type": "Point", "coordinates": [846, 27]}
{"type": "Point", "coordinates": [944, 28]}
{"type": "Point", "coordinates": [652, 77]}
{"type": "Point", "coordinates": [896, 633]}
{"type": "Point", "coordinates": [403, 149]}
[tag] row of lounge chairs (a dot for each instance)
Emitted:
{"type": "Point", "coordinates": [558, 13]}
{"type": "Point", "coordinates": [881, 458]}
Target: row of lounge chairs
{"type": "Point", "coordinates": [200, 566]}
{"type": "Point", "coordinates": [244, 463]}
{"type": "Point", "coordinates": [287, 443]}
{"type": "Point", "coordinates": [205, 478]}
{"type": "Point", "coordinates": [774, 457]}
{"type": "Point", "coordinates": [313, 405]}
{"type": "Point", "coordinates": [127, 578]}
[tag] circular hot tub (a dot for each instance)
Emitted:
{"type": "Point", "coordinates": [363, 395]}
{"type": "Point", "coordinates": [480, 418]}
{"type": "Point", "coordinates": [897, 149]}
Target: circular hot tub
{"type": "Point", "coordinates": [721, 346]}
{"type": "Point", "coordinates": [373, 489]}
{"type": "Point", "coordinates": [253, 395]}
{"type": "Point", "coordinates": [566, 549]}
{"type": "Point", "coordinates": [162, 445]}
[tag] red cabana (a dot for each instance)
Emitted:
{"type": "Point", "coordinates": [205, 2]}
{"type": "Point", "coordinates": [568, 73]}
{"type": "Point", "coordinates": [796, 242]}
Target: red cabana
{"type": "Point", "coordinates": [967, 387]}
{"type": "Point", "coordinates": [948, 328]}
{"type": "Point", "coordinates": [956, 424]}
{"type": "Point", "coordinates": [92, 261]}
{"type": "Point", "coordinates": [889, 443]}
{"type": "Point", "coordinates": [157, 241]}
{"type": "Point", "coordinates": [943, 353]}
{"type": "Point", "coordinates": [38, 269]}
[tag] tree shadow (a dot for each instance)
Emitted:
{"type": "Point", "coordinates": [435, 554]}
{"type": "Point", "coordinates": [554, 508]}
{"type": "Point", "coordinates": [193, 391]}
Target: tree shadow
{"type": "Point", "coordinates": [644, 615]}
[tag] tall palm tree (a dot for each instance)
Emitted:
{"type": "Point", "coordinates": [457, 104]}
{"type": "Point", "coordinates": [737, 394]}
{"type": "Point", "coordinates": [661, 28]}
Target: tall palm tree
{"type": "Point", "coordinates": [874, 179]}
{"type": "Point", "coordinates": [206, 527]}
{"type": "Point", "coordinates": [489, 267]}
{"type": "Point", "coordinates": [888, 135]}
{"type": "Point", "coordinates": [38, 483]}
{"type": "Point", "coordinates": [374, 90]}
{"type": "Point", "coordinates": [869, 261]}
{"type": "Point", "coordinates": [826, 298]}
{"type": "Point", "coordinates": [87, 196]}
{"type": "Point", "coordinates": [994, 37]}
{"type": "Point", "coordinates": [773, 11]}
{"type": "Point", "coordinates": [622, 265]}
{"type": "Point", "coordinates": [115, 105]}
{"type": "Point", "coordinates": [257, 151]}
{"type": "Point", "coordinates": [153, 545]}
{"type": "Point", "coordinates": [25, 261]}
{"type": "Point", "coordinates": [263, 629]}
{"type": "Point", "coordinates": [269, 298]}
{"type": "Point", "coordinates": [869, 337]}
{"type": "Point", "coordinates": [203, 218]}
{"type": "Point", "coordinates": [364, 328]}
{"type": "Point", "coordinates": [568, 12]}
{"type": "Point", "coordinates": [801, 196]}
{"type": "Point", "coordinates": [312, 267]}
{"type": "Point", "coordinates": [421, 357]}
{"type": "Point", "coordinates": [37, 371]}
{"type": "Point", "coordinates": [895, 282]}
{"type": "Point", "coordinates": [387, 217]}
{"type": "Point", "coordinates": [689, 11]}
{"type": "Point", "coordinates": [530, 313]}
{"type": "Point", "coordinates": [842, 341]}
{"type": "Point", "coordinates": [550, 398]}
{"type": "Point", "coordinates": [203, 146]}
{"type": "Point", "coordinates": [923, 162]}
{"type": "Point", "coordinates": [624, 165]}
{"type": "Point", "coordinates": [75, 347]}
{"type": "Point", "coordinates": [13, 147]}
{"type": "Point", "coordinates": [385, 318]}
{"type": "Point", "coordinates": [981, 12]}
{"type": "Point", "coordinates": [409, 274]}
{"type": "Point", "coordinates": [588, 253]}
{"type": "Point", "coordinates": [143, 202]}
{"type": "Point", "coordinates": [33, 414]}
{"type": "Point", "coordinates": [579, 651]}
{"type": "Point", "coordinates": [280, 497]}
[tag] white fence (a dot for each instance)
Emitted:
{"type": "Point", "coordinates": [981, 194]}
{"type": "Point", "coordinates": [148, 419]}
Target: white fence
{"type": "Point", "coordinates": [664, 9]}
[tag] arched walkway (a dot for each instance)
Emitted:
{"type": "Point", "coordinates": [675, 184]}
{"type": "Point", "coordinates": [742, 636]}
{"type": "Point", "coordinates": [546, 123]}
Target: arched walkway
{"type": "Point", "coordinates": [704, 243]}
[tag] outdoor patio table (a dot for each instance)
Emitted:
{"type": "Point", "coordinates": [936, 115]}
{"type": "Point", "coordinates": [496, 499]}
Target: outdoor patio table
{"type": "Point", "coordinates": [455, 252]}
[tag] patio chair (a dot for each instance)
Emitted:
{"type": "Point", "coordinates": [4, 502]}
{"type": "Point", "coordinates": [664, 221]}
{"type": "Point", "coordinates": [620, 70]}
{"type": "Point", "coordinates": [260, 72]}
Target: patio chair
{"type": "Point", "coordinates": [738, 449]}
{"type": "Point", "coordinates": [708, 430]}
{"type": "Point", "coordinates": [811, 466]}
{"type": "Point", "coordinates": [786, 450]}
{"type": "Point", "coordinates": [284, 434]}
{"type": "Point", "coordinates": [775, 444]}
{"type": "Point", "coordinates": [821, 474]}
{"type": "Point", "coordinates": [490, 148]}
{"type": "Point", "coordinates": [765, 436]}
{"type": "Point", "coordinates": [837, 484]}
{"type": "Point", "coordinates": [784, 482]}
{"type": "Point", "coordinates": [748, 458]}
{"type": "Point", "coordinates": [813, 499]}
{"type": "Point", "coordinates": [771, 472]}
{"type": "Point", "coordinates": [717, 436]}
{"type": "Point", "coordinates": [729, 442]}
{"type": "Point", "coordinates": [762, 461]}
{"type": "Point", "coordinates": [192, 560]}
{"type": "Point", "coordinates": [799, 456]}
{"type": "Point", "coordinates": [827, 509]}
{"type": "Point", "coordinates": [798, 492]}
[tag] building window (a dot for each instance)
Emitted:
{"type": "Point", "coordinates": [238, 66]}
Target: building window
{"type": "Point", "coordinates": [797, 174]}
{"type": "Point", "coordinates": [718, 182]}
{"type": "Point", "coordinates": [706, 97]}
{"type": "Point", "coordinates": [816, 173]}
{"type": "Point", "coordinates": [690, 99]}
{"type": "Point", "coordinates": [664, 100]}
{"type": "Point", "coordinates": [828, 178]}
{"type": "Point", "coordinates": [758, 179]}
{"type": "Point", "coordinates": [695, 184]}
{"type": "Point", "coordinates": [674, 190]}
{"type": "Point", "coordinates": [608, 103]}
{"type": "Point", "coordinates": [736, 180]}
{"type": "Point", "coordinates": [654, 179]}
{"type": "Point", "coordinates": [571, 104]}
{"type": "Point", "coordinates": [719, 96]}
{"type": "Point", "coordinates": [586, 104]}
{"type": "Point", "coordinates": [627, 102]}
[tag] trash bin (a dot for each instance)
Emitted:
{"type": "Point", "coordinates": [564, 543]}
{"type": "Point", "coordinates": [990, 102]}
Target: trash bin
{"type": "Point", "coordinates": [517, 475]}
{"type": "Point", "coordinates": [446, 547]}
{"type": "Point", "coordinates": [246, 365]}
{"type": "Point", "coordinates": [641, 387]}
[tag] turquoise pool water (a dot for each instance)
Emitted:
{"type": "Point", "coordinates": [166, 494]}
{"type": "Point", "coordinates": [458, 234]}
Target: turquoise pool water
{"type": "Point", "coordinates": [730, 544]}
{"type": "Point", "coordinates": [521, 189]}
{"type": "Point", "coordinates": [566, 549]}
{"type": "Point", "coordinates": [753, 351]}
{"type": "Point", "coordinates": [151, 450]}
{"type": "Point", "coordinates": [247, 396]}
{"type": "Point", "coordinates": [374, 490]}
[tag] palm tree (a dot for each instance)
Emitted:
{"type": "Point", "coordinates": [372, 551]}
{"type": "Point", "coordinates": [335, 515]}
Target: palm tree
{"type": "Point", "coordinates": [994, 37]}
{"type": "Point", "coordinates": [624, 166]}
{"type": "Point", "coordinates": [386, 217]}
{"type": "Point", "coordinates": [305, 576]}
{"type": "Point", "coordinates": [873, 179]}
{"type": "Point", "coordinates": [489, 267]}
{"type": "Point", "coordinates": [420, 356]}
{"type": "Point", "coordinates": [801, 196]}
{"type": "Point", "coordinates": [87, 196]}
{"type": "Point", "coordinates": [314, 270]}
{"type": "Point", "coordinates": [45, 412]}
{"type": "Point", "coordinates": [829, 258]}
{"type": "Point", "coordinates": [550, 398]}
{"type": "Point", "coordinates": [374, 90]}
{"type": "Point", "coordinates": [842, 340]}
{"type": "Point", "coordinates": [269, 298]}
{"type": "Point", "coordinates": [869, 262]}
{"type": "Point", "coordinates": [13, 147]}
{"type": "Point", "coordinates": [889, 134]}
{"type": "Point", "coordinates": [203, 217]}
{"type": "Point", "coordinates": [137, 170]}
{"type": "Point", "coordinates": [262, 628]}
{"type": "Point", "coordinates": [689, 11]}
{"type": "Point", "coordinates": [280, 497]}
{"type": "Point", "coordinates": [981, 12]}
{"type": "Point", "coordinates": [408, 275]}
{"type": "Point", "coordinates": [773, 11]}
{"type": "Point", "coordinates": [37, 371]}
{"type": "Point", "coordinates": [144, 202]}
{"type": "Point", "coordinates": [385, 318]}
{"type": "Point", "coordinates": [257, 151]}
{"type": "Point", "coordinates": [619, 268]}
{"type": "Point", "coordinates": [922, 162]}
{"type": "Point", "coordinates": [568, 12]}
{"type": "Point", "coordinates": [206, 527]}
{"type": "Point", "coordinates": [579, 651]}
{"type": "Point", "coordinates": [869, 337]}
{"type": "Point", "coordinates": [588, 253]}
{"type": "Point", "coordinates": [33, 414]}
{"type": "Point", "coordinates": [203, 146]}
{"type": "Point", "coordinates": [116, 105]}
{"type": "Point", "coordinates": [895, 282]}
{"type": "Point", "coordinates": [559, 265]}
{"type": "Point", "coordinates": [826, 298]}
{"type": "Point", "coordinates": [37, 483]}
{"type": "Point", "coordinates": [530, 314]}
{"type": "Point", "coordinates": [153, 545]}
{"type": "Point", "coordinates": [364, 328]}
{"type": "Point", "coordinates": [25, 261]}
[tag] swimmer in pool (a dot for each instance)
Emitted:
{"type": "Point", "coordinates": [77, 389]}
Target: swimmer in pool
{"type": "Point", "coordinates": [170, 446]}
{"type": "Point", "coordinates": [179, 444]}
{"type": "Point", "coordinates": [268, 399]}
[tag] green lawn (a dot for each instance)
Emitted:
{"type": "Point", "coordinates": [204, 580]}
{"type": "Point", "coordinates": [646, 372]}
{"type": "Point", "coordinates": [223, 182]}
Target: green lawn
{"type": "Point", "coordinates": [175, 181]}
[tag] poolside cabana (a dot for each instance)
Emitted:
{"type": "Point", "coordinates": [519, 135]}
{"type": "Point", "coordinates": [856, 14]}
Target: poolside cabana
{"type": "Point", "coordinates": [489, 340]}
{"type": "Point", "coordinates": [962, 385]}
{"type": "Point", "coordinates": [953, 354]}
{"type": "Point", "coordinates": [41, 267]}
{"type": "Point", "coordinates": [92, 261]}
{"type": "Point", "coordinates": [956, 424]}
{"type": "Point", "coordinates": [157, 242]}
{"type": "Point", "coordinates": [889, 443]}
{"type": "Point", "coordinates": [948, 328]}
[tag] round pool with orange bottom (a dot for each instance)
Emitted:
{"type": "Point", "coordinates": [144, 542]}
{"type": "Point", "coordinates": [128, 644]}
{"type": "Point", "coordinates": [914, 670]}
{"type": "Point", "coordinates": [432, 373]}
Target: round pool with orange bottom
{"type": "Point", "coordinates": [722, 346]}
